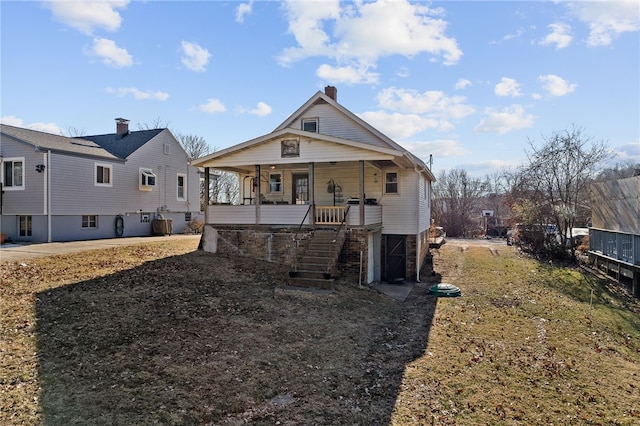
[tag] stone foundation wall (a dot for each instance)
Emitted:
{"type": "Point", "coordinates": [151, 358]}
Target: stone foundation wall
{"type": "Point", "coordinates": [348, 266]}
{"type": "Point", "coordinates": [257, 242]}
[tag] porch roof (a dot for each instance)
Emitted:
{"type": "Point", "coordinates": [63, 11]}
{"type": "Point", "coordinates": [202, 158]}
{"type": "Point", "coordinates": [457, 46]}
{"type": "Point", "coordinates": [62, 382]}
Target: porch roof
{"type": "Point", "coordinates": [221, 159]}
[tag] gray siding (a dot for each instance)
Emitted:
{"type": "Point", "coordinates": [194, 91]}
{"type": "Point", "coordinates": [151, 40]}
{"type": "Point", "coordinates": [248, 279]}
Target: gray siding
{"type": "Point", "coordinates": [30, 200]}
{"type": "Point", "coordinates": [74, 193]}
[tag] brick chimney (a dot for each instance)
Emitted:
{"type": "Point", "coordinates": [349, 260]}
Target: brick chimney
{"type": "Point", "coordinates": [122, 127]}
{"type": "Point", "coordinates": [331, 92]}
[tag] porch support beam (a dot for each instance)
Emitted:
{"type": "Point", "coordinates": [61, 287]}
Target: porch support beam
{"type": "Point", "coordinates": [312, 196]}
{"type": "Point", "coordinates": [207, 193]}
{"type": "Point", "coordinates": [361, 192]}
{"type": "Point", "coordinates": [257, 189]}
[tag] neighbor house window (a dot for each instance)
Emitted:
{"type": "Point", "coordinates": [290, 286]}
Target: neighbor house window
{"type": "Point", "coordinates": [166, 148]}
{"type": "Point", "coordinates": [145, 217]}
{"type": "Point", "coordinates": [147, 180]}
{"type": "Point", "coordinates": [103, 174]}
{"type": "Point", "coordinates": [89, 221]}
{"type": "Point", "coordinates": [24, 226]}
{"type": "Point", "coordinates": [391, 182]}
{"type": "Point", "coordinates": [182, 187]}
{"type": "Point", "coordinates": [275, 182]}
{"type": "Point", "coordinates": [310, 125]}
{"type": "Point", "coordinates": [13, 173]}
{"type": "Point", "coordinates": [187, 217]}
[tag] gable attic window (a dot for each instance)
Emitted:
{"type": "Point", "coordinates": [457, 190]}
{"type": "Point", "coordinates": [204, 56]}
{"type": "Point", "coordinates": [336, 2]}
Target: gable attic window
{"type": "Point", "coordinates": [103, 173]}
{"type": "Point", "coordinates": [147, 180]}
{"type": "Point", "coordinates": [13, 174]}
{"type": "Point", "coordinates": [166, 149]}
{"type": "Point", "coordinates": [310, 125]}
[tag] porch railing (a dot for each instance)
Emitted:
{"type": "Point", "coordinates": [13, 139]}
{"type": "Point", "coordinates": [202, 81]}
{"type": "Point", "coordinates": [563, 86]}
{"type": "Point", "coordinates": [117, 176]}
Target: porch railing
{"type": "Point", "coordinates": [330, 215]}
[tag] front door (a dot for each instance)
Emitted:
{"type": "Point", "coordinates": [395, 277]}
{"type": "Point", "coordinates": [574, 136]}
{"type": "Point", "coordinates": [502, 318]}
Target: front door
{"type": "Point", "coordinates": [300, 194]}
{"type": "Point", "coordinates": [396, 257]}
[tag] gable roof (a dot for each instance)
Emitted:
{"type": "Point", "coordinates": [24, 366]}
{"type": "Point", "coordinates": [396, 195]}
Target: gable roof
{"type": "Point", "coordinates": [285, 128]}
{"type": "Point", "coordinates": [123, 146]}
{"type": "Point", "coordinates": [58, 143]}
{"type": "Point", "coordinates": [322, 97]}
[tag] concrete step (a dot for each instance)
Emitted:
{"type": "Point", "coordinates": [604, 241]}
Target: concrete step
{"type": "Point", "coordinates": [313, 267]}
{"type": "Point", "coordinates": [305, 273]}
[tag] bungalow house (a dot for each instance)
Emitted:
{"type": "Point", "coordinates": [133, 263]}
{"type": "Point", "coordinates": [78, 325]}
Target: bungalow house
{"type": "Point", "coordinates": [58, 188]}
{"type": "Point", "coordinates": [326, 194]}
{"type": "Point", "coordinates": [614, 235]}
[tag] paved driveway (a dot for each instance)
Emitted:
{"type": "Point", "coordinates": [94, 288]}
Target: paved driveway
{"type": "Point", "coordinates": [22, 251]}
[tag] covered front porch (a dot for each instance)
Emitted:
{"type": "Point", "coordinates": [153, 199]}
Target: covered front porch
{"type": "Point", "coordinates": [348, 193]}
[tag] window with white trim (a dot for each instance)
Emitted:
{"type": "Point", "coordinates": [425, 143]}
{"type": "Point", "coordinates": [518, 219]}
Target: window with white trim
{"type": "Point", "coordinates": [89, 221]}
{"type": "Point", "coordinates": [13, 173]}
{"type": "Point", "coordinates": [25, 226]}
{"type": "Point", "coordinates": [103, 174]}
{"type": "Point", "coordinates": [310, 125]}
{"type": "Point", "coordinates": [391, 182]}
{"type": "Point", "coordinates": [147, 179]}
{"type": "Point", "coordinates": [182, 187]}
{"type": "Point", "coordinates": [275, 182]}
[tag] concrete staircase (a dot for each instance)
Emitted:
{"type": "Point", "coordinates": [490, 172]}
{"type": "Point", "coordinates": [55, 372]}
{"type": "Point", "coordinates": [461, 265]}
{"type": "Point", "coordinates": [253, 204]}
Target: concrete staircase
{"type": "Point", "coordinates": [316, 267]}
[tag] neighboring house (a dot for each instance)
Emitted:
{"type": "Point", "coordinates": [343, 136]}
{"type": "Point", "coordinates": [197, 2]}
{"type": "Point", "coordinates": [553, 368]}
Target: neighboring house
{"type": "Point", "coordinates": [57, 188]}
{"type": "Point", "coordinates": [614, 235]}
{"type": "Point", "coordinates": [327, 192]}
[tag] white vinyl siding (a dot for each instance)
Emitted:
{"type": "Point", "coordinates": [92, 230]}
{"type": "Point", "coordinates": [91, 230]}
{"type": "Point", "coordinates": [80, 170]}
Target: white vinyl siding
{"type": "Point", "coordinates": [181, 187]}
{"type": "Point", "coordinates": [400, 212]}
{"type": "Point", "coordinates": [334, 123]}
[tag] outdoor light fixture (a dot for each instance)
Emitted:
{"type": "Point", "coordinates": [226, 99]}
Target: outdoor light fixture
{"type": "Point", "coordinates": [272, 167]}
{"type": "Point", "coordinates": [40, 168]}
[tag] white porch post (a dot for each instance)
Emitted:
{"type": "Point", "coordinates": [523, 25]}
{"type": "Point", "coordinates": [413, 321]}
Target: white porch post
{"type": "Point", "coordinates": [257, 186]}
{"type": "Point", "coordinates": [361, 194]}
{"type": "Point", "coordinates": [312, 196]}
{"type": "Point", "coordinates": [207, 193]}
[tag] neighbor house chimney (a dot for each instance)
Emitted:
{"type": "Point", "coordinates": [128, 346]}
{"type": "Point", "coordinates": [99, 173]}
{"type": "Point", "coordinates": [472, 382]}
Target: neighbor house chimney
{"type": "Point", "coordinates": [331, 92]}
{"type": "Point", "coordinates": [122, 127]}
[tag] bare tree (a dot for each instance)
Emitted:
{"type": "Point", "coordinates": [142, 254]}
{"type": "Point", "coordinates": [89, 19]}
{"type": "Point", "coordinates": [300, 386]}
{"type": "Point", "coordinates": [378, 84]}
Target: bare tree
{"type": "Point", "coordinates": [456, 198]}
{"type": "Point", "coordinates": [557, 175]}
{"type": "Point", "coordinates": [194, 146]}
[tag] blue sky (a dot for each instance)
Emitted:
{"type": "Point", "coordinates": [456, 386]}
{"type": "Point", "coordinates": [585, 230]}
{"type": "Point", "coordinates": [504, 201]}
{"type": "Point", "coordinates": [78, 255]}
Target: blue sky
{"type": "Point", "coordinates": [470, 83]}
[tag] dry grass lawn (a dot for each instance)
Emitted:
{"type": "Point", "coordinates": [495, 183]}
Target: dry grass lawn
{"type": "Point", "coordinates": [161, 333]}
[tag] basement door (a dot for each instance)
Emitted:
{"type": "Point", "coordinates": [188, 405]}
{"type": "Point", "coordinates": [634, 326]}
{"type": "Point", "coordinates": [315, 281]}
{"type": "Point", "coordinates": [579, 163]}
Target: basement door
{"type": "Point", "coordinates": [396, 257]}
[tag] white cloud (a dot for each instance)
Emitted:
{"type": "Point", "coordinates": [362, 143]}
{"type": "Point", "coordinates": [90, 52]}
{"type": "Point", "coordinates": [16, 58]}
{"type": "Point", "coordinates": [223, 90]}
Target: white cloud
{"type": "Point", "coordinates": [507, 120]}
{"type": "Point", "coordinates": [212, 106]}
{"type": "Point", "coordinates": [400, 126]}
{"type": "Point", "coordinates": [628, 152]}
{"type": "Point", "coordinates": [242, 10]}
{"type": "Point", "coordinates": [560, 36]}
{"type": "Point", "coordinates": [347, 74]}
{"type": "Point", "coordinates": [403, 72]}
{"type": "Point", "coordinates": [261, 110]}
{"type": "Point", "coordinates": [607, 20]}
{"type": "Point", "coordinates": [138, 94]}
{"type": "Point", "coordinates": [110, 53]}
{"type": "Point", "coordinates": [194, 56]}
{"type": "Point", "coordinates": [462, 83]}
{"type": "Point", "coordinates": [437, 148]}
{"type": "Point", "coordinates": [401, 28]}
{"type": "Point", "coordinates": [556, 86]}
{"type": "Point", "coordinates": [86, 16]}
{"type": "Point", "coordinates": [12, 120]}
{"type": "Point", "coordinates": [435, 103]}
{"type": "Point", "coordinates": [507, 87]}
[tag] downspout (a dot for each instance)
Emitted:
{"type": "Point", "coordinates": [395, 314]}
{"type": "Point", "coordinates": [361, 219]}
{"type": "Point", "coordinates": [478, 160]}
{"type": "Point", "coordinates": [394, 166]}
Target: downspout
{"type": "Point", "coordinates": [48, 194]}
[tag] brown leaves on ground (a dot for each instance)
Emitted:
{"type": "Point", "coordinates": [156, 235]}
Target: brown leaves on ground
{"type": "Point", "coordinates": [162, 333]}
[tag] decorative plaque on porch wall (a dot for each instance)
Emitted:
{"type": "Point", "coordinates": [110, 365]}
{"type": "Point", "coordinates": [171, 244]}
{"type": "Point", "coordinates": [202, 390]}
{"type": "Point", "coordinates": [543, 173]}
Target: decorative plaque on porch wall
{"type": "Point", "coordinates": [290, 148]}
